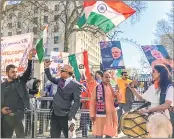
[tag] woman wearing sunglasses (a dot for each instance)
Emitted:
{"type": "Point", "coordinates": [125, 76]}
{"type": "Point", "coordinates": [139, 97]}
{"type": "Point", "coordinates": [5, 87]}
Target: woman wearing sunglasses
{"type": "Point", "coordinates": [160, 94]}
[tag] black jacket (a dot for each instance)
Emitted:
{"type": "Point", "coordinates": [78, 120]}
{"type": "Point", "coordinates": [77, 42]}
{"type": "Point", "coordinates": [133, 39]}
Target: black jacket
{"type": "Point", "coordinates": [20, 84]}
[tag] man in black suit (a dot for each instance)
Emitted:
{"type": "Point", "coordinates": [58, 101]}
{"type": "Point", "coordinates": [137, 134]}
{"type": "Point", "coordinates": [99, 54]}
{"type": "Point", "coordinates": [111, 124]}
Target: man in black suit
{"type": "Point", "coordinates": [66, 101]}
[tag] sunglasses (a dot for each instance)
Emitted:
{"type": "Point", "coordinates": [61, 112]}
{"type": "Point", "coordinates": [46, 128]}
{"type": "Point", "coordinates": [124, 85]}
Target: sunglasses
{"type": "Point", "coordinates": [125, 75]}
{"type": "Point", "coordinates": [62, 70]}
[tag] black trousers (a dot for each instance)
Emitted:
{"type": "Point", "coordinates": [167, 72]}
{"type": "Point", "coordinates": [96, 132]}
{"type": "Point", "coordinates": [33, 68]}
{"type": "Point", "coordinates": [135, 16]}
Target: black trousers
{"type": "Point", "coordinates": [58, 124]}
{"type": "Point", "coordinates": [9, 124]}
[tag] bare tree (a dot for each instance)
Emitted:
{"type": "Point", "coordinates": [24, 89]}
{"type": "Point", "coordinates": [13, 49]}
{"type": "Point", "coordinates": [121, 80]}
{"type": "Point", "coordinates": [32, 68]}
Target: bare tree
{"type": "Point", "coordinates": [170, 14]}
{"type": "Point", "coordinates": [164, 28]}
{"type": "Point", "coordinates": [67, 14]}
{"type": "Point", "coordinates": [164, 31]}
{"type": "Point", "coordinates": [140, 7]}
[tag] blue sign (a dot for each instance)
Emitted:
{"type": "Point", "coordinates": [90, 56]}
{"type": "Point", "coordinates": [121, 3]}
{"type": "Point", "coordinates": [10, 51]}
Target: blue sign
{"type": "Point", "coordinates": [112, 57]}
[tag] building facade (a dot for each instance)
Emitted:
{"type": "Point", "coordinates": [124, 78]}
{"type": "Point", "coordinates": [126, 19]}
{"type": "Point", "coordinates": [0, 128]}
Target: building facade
{"type": "Point", "coordinates": [34, 19]}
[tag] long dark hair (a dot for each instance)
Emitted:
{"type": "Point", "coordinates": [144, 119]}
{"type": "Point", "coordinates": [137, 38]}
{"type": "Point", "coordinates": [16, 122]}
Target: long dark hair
{"type": "Point", "coordinates": [165, 79]}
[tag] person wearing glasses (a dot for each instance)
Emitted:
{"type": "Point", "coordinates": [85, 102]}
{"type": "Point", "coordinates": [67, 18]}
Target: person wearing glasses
{"type": "Point", "coordinates": [66, 101]}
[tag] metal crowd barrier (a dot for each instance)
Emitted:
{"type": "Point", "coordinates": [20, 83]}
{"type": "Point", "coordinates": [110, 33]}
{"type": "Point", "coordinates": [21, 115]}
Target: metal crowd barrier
{"type": "Point", "coordinates": [37, 119]}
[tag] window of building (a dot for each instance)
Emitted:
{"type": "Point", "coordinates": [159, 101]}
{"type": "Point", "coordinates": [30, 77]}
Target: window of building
{"type": "Point", "coordinates": [56, 49]}
{"type": "Point", "coordinates": [34, 41]}
{"type": "Point", "coordinates": [45, 8]}
{"type": "Point", "coordinates": [19, 32]}
{"type": "Point", "coordinates": [19, 14]}
{"type": "Point", "coordinates": [9, 33]}
{"type": "Point", "coordinates": [9, 25]}
{"type": "Point", "coordinates": [56, 28]}
{"type": "Point", "coordinates": [10, 15]}
{"type": "Point", "coordinates": [19, 25]}
{"type": "Point", "coordinates": [36, 9]}
{"type": "Point", "coordinates": [56, 7]}
{"type": "Point", "coordinates": [45, 19]}
{"type": "Point", "coordinates": [56, 39]}
{"type": "Point", "coordinates": [35, 20]}
{"type": "Point", "coordinates": [35, 30]}
{"type": "Point", "coordinates": [56, 17]}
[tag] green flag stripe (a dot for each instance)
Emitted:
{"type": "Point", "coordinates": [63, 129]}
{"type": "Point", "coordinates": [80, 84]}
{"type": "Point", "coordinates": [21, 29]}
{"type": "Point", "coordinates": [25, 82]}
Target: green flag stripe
{"type": "Point", "coordinates": [40, 50]}
{"type": "Point", "coordinates": [119, 71]}
{"type": "Point", "coordinates": [101, 21]}
{"type": "Point", "coordinates": [73, 63]}
{"type": "Point", "coordinates": [81, 21]}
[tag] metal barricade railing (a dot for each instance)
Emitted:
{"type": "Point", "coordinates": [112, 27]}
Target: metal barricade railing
{"type": "Point", "coordinates": [42, 117]}
{"type": "Point", "coordinates": [28, 125]}
{"type": "Point", "coordinates": [37, 119]}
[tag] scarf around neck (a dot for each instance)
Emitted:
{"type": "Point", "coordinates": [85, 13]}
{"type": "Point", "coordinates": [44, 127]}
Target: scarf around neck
{"type": "Point", "coordinates": [100, 97]}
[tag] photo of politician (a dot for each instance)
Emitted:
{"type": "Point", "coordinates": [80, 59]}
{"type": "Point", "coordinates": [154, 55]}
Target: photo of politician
{"type": "Point", "coordinates": [117, 57]}
{"type": "Point", "coordinates": [112, 56]}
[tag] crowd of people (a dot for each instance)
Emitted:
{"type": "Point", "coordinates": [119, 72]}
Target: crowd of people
{"type": "Point", "coordinates": [108, 99]}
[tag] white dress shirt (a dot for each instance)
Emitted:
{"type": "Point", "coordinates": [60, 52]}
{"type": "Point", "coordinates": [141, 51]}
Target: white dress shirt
{"type": "Point", "coordinates": [67, 81]}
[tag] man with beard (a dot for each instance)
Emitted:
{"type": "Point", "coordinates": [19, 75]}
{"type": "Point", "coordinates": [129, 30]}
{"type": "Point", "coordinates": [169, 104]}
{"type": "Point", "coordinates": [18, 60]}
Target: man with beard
{"type": "Point", "coordinates": [14, 100]}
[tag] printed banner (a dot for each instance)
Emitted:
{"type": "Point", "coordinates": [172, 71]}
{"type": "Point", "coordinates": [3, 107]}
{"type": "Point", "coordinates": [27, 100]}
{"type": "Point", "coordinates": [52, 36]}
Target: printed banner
{"type": "Point", "coordinates": [57, 61]}
{"type": "Point", "coordinates": [157, 54]}
{"type": "Point", "coordinates": [14, 50]}
{"type": "Point", "coordinates": [112, 57]}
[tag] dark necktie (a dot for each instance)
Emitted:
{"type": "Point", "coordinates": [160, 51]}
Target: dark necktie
{"type": "Point", "coordinates": [62, 83]}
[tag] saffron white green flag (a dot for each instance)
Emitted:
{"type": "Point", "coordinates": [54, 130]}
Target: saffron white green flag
{"type": "Point", "coordinates": [105, 15]}
{"type": "Point", "coordinates": [42, 44]}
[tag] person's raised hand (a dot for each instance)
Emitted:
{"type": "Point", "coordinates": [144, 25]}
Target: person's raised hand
{"type": "Point", "coordinates": [47, 63]}
{"type": "Point", "coordinates": [31, 53]}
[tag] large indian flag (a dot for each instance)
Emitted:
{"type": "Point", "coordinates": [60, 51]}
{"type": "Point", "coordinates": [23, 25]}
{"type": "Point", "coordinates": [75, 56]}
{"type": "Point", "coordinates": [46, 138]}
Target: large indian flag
{"type": "Point", "coordinates": [105, 15]}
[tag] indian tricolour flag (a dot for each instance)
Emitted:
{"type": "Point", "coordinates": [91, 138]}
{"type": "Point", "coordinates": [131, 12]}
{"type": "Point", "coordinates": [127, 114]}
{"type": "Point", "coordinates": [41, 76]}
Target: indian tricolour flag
{"type": "Point", "coordinates": [105, 15]}
{"type": "Point", "coordinates": [73, 60]}
{"type": "Point", "coordinates": [42, 44]}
